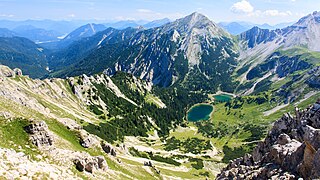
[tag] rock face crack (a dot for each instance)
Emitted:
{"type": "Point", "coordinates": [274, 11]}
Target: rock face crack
{"type": "Point", "coordinates": [291, 150]}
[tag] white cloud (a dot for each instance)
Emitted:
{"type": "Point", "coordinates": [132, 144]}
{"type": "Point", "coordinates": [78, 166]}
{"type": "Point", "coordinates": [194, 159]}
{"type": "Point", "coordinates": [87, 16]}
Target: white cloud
{"type": "Point", "coordinates": [71, 15]}
{"type": "Point", "coordinates": [270, 13]}
{"type": "Point", "coordinates": [122, 18]}
{"type": "Point", "coordinates": [144, 10]}
{"type": "Point", "coordinates": [243, 6]}
{"type": "Point", "coordinates": [7, 15]}
{"type": "Point", "coordinates": [148, 14]}
{"type": "Point", "coordinates": [274, 12]}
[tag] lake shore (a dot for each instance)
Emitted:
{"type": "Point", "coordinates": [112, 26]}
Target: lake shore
{"type": "Point", "coordinates": [226, 93]}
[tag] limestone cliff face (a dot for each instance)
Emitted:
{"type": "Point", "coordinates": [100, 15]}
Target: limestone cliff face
{"type": "Point", "coordinates": [290, 151]}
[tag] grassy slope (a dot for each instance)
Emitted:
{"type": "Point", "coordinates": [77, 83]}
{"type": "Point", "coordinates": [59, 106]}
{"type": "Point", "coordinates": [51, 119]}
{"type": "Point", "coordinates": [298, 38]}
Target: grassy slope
{"type": "Point", "coordinates": [14, 136]}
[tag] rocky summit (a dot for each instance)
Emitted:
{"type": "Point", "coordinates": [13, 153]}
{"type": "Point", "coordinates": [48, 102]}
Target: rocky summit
{"type": "Point", "coordinates": [290, 151]}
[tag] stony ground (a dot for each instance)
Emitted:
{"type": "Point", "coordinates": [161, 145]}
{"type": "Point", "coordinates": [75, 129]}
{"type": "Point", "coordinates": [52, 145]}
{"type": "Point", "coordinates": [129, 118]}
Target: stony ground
{"type": "Point", "coordinates": [290, 151]}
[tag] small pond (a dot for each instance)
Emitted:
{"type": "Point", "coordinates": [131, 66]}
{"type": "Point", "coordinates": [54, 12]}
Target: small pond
{"type": "Point", "coordinates": [222, 98]}
{"type": "Point", "coordinates": [199, 112]}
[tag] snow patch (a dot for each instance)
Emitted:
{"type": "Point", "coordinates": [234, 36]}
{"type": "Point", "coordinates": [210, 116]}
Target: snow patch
{"type": "Point", "coordinates": [103, 38]}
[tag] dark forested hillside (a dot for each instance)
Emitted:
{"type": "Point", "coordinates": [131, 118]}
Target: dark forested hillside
{"type": "Point", "coordinates": [17, 52]}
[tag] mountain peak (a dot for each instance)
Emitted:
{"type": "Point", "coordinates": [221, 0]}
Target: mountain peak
{"type": "Point", "coordinates": [309, 19]}
{"type": "Point", "coordinates": [196, 14]}
{"type": "Point", "coordinates": [194, 20]}
{"type": "Point", "coordinates": [196, 17]}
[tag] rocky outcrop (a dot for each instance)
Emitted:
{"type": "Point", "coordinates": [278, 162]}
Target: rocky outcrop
{"type": "Point", "coordinates": [6, 71]}
{"type": "Point", "coordinates": [290, 151]}
{"type": "Point", "coordinates": [281, 65]}
{"type": "Point", "coordinates": [39, 135]}
{"type": "Point", "coordinates": [107, 148]}
{"type": "Point", "coordinates": [256, 36]}
{"type": "Point", "coordinates": [149, 163]}
{"type": "Point", "coordinates": [17, 71]}
{"type": "Point", "coordinates": [90, 164]}
{"type": "Point", "coordinates": [87, 140]}
{"type": "Point", "coordinates": [314, 79]}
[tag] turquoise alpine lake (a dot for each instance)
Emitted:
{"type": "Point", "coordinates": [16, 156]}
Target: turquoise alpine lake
{"type": "Point", "coordinates": [222, 98]}
{"type": "Point", "coordinates": [199, 112]}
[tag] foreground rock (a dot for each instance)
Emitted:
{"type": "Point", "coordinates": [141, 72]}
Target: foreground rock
{"type": "Point", "coordinates": [18, 165]}
{"type": "Point", "coordinates": [290, 151]}
{"type": "Point", "coordinates": [39, 135]}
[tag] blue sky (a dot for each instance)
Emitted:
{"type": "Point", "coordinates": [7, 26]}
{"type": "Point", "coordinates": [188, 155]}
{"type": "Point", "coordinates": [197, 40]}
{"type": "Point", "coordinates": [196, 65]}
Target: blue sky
{"type": "Point", "coordinates": [257, 11]}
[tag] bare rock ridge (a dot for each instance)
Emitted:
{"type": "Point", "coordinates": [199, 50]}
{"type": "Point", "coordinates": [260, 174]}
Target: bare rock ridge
{"type": "Point", "coordinates": [303, 33]}
{"type": "Point", "coordinates": [290, 151]}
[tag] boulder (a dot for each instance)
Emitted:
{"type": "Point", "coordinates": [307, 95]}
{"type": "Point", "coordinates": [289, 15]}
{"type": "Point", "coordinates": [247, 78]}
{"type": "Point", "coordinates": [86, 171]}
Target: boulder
{"type": "Point", "coordinates": [80, 164]}
{"type": "Point", "coordinates": [17, 71]}
{"type": "Point", "coordinates": [36, 126]}
{"type": "Point", "coordinates": [90, 164]}
{"type": "Point", "coordinates": [107, 148]}
{"type": "Point", "coordinates": [312, 136]}
{"type": "Point", "coordinates": [102, 164]}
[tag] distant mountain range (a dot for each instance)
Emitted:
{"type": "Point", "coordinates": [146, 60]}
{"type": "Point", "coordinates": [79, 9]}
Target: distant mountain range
{"type": "Point", "coordinates": [62, 27]}
{"type": "Point", "coordinates": [65, 27]}
{"type": "Point", "coordinates": [37, 35]}
{"type": "Point", "coordinates": [236, 28]}
{"type": "Point", "coordinates": [48, 31]}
